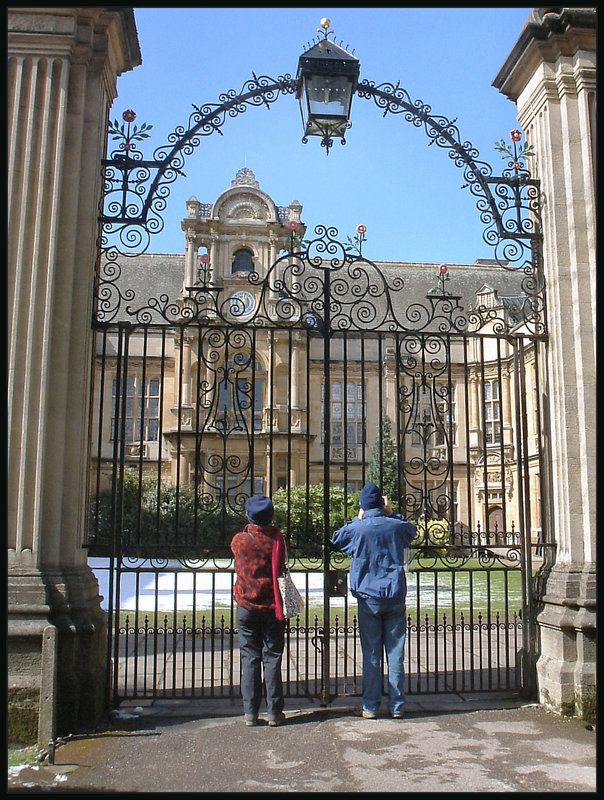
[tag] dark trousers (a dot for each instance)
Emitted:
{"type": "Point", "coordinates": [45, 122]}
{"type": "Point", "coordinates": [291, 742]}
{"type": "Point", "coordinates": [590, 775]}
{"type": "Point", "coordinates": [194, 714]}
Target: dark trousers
{"type": "Point", "coordinates": [261, 641]}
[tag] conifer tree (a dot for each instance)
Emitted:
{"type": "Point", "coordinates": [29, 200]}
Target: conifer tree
{"type": "Point", "coordinates": [383, 466]}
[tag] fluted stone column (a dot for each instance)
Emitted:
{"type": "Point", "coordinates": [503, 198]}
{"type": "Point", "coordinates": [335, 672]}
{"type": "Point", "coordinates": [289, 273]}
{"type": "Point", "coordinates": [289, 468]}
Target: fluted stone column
{"type": "Point", "coordinates": [62, 70]}
{"type": "Point", "coordinates": [190, 259]}
{"type": "Point", "coordinates": [551, 76]}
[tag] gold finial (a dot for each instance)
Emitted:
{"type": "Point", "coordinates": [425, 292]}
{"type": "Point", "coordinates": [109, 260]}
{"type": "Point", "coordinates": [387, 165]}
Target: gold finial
{"type": "Point", "coordinates": [325, 24]}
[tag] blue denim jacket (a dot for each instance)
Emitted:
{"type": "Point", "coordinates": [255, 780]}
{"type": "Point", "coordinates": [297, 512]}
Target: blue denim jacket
{"type": "Point", "coordinates": [377, 545]}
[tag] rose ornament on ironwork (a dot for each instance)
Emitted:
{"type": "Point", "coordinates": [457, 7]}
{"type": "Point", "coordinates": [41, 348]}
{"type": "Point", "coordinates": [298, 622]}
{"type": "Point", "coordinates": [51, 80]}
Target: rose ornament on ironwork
{"type": "Point", "coordinates": [515, 152]}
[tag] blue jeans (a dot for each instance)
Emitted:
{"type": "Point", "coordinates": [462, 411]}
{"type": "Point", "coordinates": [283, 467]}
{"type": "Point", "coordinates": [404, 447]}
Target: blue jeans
{"type": "Point", "coordinates": [382, 626]}
{"type": "Point", "coordinates": [261, 641]}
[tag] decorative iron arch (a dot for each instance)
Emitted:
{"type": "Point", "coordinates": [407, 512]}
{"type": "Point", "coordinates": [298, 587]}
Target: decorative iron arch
{"type": "Point", "coordinates": [136, 190]}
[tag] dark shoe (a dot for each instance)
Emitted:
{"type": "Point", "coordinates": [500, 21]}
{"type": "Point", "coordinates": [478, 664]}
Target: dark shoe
{"type": "Point", "coordinates": [398, 715]}
{"type": "Point", "coordinates": [362, 712]}
{"type": "Point", "coordinates": [251, 720]}
{"type": "Point", "coordinates": [274, 722]}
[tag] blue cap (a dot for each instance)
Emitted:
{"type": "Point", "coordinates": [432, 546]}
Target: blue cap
{"type": "Point", "coordinates": [260, 510]}
{"type": "Point", "coordinates": [371, 497]}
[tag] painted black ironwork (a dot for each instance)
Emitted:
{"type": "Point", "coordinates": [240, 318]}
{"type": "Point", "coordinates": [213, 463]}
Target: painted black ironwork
{"type": "Point", "coordinates": [509, 204]}
{"type": "Point", "coordinates": [361, 297]}
{"type": "Point", "coordinates": [455, 642]}
{"type": "Point", "coordinates": [335, 307]}
{"type": "Point", "coordinates": [161, 534]}
{"type": "Point", "coordinates": [136, 192]}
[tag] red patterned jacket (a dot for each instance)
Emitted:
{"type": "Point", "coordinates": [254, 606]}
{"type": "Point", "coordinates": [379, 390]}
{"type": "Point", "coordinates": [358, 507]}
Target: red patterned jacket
{"type": "Point", "coordinates": [258, 565]}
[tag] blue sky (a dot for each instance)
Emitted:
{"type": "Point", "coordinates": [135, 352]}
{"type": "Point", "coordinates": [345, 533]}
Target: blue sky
{"type": "Point", "coordinates": [386, 177]}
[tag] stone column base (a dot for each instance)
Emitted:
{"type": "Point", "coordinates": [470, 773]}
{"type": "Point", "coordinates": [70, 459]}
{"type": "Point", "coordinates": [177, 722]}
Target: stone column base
{"type": "Point", "coordinates": [566, 668]}
{"type": "Point", "coordinates": [57, 646]}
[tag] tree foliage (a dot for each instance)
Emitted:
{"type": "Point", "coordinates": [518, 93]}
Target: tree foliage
{"type": "Point", "coordinates": [155, 517]}
{"type": "Point", "coordinates": [299, 512]}
{"type": "Point", "coordinates": [383, 465]}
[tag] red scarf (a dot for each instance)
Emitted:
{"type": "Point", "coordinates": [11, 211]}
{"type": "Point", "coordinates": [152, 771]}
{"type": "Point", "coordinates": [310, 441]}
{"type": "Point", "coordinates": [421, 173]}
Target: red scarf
{"type": "Point", "coordinates": [278, 564]}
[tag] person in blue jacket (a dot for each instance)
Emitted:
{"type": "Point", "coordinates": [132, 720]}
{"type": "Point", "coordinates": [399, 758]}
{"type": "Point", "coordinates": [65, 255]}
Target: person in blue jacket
{"type": "Point", "coordinates": [377, 541]}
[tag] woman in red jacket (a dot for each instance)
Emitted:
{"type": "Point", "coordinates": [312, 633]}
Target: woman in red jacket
{"type": "Point", "coordinates": [259, 552]}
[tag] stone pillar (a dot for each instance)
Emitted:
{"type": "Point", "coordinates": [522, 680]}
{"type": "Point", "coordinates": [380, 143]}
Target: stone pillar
{"type": "Point", "coordinates": [190, 260]}
{"type": "Point", "coordinates": [474, 420]}
{"type": "Point", "coordinates": [506, 407]}
{"type": "Point", "coordinates": [551, 76]}
{"type": "Point", "coordinates": [273, 253]}
{"type": "Point", "coordinates": [181, 407]}
{"type": "Point", "coordinates": [295, 373]}
{"type": "Point", "coordinates": [62, 69]}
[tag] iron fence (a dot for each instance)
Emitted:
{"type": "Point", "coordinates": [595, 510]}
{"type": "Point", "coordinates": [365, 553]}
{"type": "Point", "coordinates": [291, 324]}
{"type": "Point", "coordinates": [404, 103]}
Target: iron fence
{"type": "Point", "coordinates": [175, 635]}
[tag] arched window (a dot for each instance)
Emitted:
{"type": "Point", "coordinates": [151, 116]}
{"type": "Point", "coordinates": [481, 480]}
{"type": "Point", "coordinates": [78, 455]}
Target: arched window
{"type": "Point", "coordinates": [243, 261]}
{"type": "Point", "coordinates": [236, 394]}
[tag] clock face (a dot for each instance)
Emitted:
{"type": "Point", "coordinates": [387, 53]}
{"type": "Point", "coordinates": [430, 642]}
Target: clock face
{"type": "Point", "coordinates": [242, 303]}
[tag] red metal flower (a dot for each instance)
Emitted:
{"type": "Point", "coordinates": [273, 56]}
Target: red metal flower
{"type": "Point", "coordinates": [292, 225]}
{"type": "Point", "coordinates": [361, 229]}
{"type": "Point", "coordinates": [129, 115]}
{"type": "Point", "coordinates": [517, 165]}
{"type": "Point", "coordinates": [205, 259]}
{"type": "Point", "coordinates": [515, 135]}
{"type": "Point", "coordinates": [443, 269]}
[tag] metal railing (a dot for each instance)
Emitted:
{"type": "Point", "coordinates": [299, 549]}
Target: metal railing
{"type": "Point", "coordinates": [177, 637]}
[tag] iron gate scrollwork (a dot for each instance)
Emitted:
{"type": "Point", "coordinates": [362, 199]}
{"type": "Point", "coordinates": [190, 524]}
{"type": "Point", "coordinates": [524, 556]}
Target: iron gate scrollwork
{"type": "Point", "coordinates": [327, 368]}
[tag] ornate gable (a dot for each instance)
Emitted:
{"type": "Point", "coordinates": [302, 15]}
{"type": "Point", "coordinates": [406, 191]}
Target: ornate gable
{"type": "Point", "coordinates": [245, 202]}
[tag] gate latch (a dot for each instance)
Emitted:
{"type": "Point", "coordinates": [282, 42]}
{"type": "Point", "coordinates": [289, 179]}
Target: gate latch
{"type": "Point", "coordinates": [337, 583]}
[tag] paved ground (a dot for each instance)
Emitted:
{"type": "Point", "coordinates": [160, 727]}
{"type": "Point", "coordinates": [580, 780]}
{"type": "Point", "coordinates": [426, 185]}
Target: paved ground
{"type": "Point", "coordinates": [452, 743]}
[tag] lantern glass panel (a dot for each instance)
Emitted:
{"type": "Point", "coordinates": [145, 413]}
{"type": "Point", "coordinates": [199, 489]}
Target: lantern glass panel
{"type": "Point", "coordinates": [325, 105]}
{"type": "Point", "coordinates": [328, 96]}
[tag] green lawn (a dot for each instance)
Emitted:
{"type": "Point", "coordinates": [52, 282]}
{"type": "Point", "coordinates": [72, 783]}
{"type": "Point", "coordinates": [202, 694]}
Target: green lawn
{"type": "Point", "coordinates": [21, 756]}
{"type": "Point", "coordinates": [468, 591]}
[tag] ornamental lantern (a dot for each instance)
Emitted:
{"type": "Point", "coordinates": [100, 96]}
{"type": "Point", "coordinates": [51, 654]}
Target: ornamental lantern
{"type": "Point", "coordinates": [326, 81]}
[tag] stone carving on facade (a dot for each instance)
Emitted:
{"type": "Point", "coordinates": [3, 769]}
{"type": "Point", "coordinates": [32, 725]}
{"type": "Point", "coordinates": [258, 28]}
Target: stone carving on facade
{"type": "Point", "coordinates": [186, 416]}
{"type": "Point", "coordinates": [244, 206]}
{"type": "Point", "coordinates": [494, 481]}
{"type": "Point", "coordinates": [245, 177]}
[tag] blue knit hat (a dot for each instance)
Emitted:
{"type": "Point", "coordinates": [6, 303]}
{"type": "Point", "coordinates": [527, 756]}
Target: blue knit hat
{"type": "Point", "coordinates": [260, 510]}
{"type": "Point", "coordinates": [371, 497]}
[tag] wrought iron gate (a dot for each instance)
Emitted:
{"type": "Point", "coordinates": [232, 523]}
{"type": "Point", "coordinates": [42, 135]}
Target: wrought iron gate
{"type": "Point", "coordinates": [303, 395]}
{"type": "Point", "coordinates": [323, 370]}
